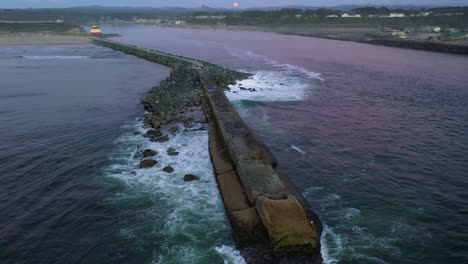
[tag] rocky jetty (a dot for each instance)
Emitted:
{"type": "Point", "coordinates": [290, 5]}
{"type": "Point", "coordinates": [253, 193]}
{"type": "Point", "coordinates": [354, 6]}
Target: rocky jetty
{"type": "Point", "coordinates": [271, 221]}
{"type": "Point", "coordinates": [178, 97]}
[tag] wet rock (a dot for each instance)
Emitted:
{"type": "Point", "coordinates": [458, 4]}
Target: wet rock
{"type": "Point", "coordinates": [188, 124]}
{"type": "Point", "coordinates": [172, 152]}
{"type": "Point", "coordinates": [154, 133]}
{"type": "Point", "coordinates": [162, 139]}
{"type": "Point", "coordinates": [148, 119]}
{"type": "Point", "coordinates": [134, 173]}
{"type": "Point", "coordinates": [174, 129]}
{"type": "Point", "coordinates": [136, 133]}
{"type": "Point", "coordinates": [243, 88]}
{"type": "Point", "coordinates": [148, 163]}
{"type": "Point", "coordinates": [149, 153]}
{"type": "Point", "coordinates": [168, 169]}
{"type": "Point", "coordinates": [190, 177]}
{"type": "Point", "coordinates": [155, 124]}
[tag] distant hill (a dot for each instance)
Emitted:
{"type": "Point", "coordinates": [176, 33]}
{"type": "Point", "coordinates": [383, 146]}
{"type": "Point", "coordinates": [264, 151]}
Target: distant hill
{"type": "Point", "coordinates": [214, 9]}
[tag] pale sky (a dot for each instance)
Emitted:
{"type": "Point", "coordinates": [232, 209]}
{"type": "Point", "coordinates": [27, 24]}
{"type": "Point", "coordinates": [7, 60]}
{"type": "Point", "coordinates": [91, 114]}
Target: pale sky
{"type": "Point", "coordinates": [214, 3]}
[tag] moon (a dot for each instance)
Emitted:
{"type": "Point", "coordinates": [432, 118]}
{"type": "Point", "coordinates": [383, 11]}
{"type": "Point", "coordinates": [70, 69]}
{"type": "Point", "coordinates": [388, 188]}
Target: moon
{"type": "Point", "coordinates": [235, 4]}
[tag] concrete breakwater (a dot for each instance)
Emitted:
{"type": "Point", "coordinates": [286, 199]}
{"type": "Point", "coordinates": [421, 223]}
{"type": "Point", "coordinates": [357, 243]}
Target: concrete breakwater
{"type": "Point", "coordinates": [271, 221]}
{"type": "Point", "coordinates": [419, 45]}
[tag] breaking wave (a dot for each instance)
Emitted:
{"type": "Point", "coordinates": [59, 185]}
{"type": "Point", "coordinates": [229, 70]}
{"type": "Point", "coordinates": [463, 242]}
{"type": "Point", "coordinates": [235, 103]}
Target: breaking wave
{"type": "Point", "coordinates": [269, 86]}
{"type": "Point", "coordinates": [289, 68]}
{"type": "Point", "coordinates": [187, 218]}
{"type": "Point", "coordinates": [345, 237]}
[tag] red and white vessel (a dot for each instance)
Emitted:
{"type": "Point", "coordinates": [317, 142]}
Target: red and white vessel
{"type": "Point", "coordinates": [95, 30]}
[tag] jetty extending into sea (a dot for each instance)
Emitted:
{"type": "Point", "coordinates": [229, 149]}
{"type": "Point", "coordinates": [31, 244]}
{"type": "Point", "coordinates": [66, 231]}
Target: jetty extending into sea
{"type": "Point", "coordinates": [270, 219]}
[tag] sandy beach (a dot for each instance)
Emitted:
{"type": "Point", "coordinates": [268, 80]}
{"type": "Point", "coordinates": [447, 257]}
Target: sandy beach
{"type": "Point", "coordinates": [41, 39]}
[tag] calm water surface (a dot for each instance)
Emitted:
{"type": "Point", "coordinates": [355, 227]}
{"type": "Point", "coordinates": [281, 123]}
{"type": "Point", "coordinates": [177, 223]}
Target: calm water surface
{"type": "Point", "coordinates": [375, 137]}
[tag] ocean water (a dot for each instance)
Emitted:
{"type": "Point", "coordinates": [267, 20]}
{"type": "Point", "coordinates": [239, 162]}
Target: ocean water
{"type": "Point", "coordinates": [376, 138]}
{"type": "Point", "coordinates": [70, 187]}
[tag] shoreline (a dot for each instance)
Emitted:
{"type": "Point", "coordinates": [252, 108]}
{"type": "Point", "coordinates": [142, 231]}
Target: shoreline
{"type": "Point", "coordinates": [363, 35]}
{"type": "Point", "coordinates": [41, 39]}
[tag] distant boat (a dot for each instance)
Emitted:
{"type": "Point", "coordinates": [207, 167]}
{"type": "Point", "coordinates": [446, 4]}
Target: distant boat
{"type": "Point", "coordinates": [95, 30]}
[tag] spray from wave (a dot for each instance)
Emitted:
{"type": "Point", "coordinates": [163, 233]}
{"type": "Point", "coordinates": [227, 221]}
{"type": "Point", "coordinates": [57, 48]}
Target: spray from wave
{"type": "Point", "coordinates": [186, 219]}
{"type": "Point", "coordinates": [289, 68]}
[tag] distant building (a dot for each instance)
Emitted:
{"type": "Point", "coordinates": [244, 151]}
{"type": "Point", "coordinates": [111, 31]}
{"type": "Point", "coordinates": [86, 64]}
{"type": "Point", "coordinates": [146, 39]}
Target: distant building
{"type": "Point", "coordinates": [332, 16]}
{"type": "Point", "coordinates": [59, 21]}
{"type": "Point", "coordinates": [424, 14]}
{"type": "Point", "coordinates": [394, 32]}
{"type": "Point", "coordinates": [212, 17]}
{"type": "Point", "coordinates": [350, 15]}
{"type": "Point", "coordinates": [95, 30]}
{"type": "Point", "coordinates": [396, 15]}
{"type": "Point", "coordinates": [423, 29]}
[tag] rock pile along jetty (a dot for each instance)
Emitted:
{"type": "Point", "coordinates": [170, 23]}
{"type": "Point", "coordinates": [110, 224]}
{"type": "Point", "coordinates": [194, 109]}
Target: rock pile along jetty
{"type": "Point", "coordinates": [271, 221]}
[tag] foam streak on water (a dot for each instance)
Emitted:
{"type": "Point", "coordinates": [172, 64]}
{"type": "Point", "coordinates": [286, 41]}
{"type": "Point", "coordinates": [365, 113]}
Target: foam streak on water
{"type": "Point", "coordinates": [187, 218]}
{"type": "Point", "coordinates": [55, 57]}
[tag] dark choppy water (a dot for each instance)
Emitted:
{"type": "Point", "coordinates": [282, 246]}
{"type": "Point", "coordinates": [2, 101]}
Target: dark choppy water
{"type": "Point", "coordinates": [375, 137]}
{"type": "Point", "coordinates": [70, 190]}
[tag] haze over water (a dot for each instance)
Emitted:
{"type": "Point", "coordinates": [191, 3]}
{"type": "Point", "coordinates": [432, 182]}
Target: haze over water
{"type": "Point", "coordinates": [376, 138]}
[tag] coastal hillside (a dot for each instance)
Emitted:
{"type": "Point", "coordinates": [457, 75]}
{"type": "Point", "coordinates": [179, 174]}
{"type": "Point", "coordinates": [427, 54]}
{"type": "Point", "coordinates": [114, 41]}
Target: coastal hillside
{"type": "Point", "coordinates": [58, 28]}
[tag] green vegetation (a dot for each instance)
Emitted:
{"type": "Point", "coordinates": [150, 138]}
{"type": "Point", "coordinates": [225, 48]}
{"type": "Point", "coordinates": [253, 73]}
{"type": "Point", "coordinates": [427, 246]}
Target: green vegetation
{"type": "Point", "coordinates": [36, 27]}
{"type": "Point", "coordinates": [456, 17]}
{"type": "Point", "coordinates": [88, 15]}
{"type": "Point", "coordinates": [370, 17]}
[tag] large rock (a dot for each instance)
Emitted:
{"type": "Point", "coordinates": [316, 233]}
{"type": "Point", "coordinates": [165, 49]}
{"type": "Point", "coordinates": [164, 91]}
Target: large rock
{"type": "Point", "coordinates": [190, 177]}
{"type": "Point", "coordinates": [154, 133]}
{"type": "Point", "coordinates": [168, 169]}
{"type": "Point", "coordinates": [289, 228]}
{"type": "Point", "coordinates": [148, 119]}
{"type": "Point", "coordinates": [172, 152]}
{"type": "Point", "coordinates": [162, 139]}
{"type": "Point", "coordinates": [148, 163]}
{"type": "Point", "coordinates": [155, 124]}
{"type": "Point", "coordinates": [149, 153]}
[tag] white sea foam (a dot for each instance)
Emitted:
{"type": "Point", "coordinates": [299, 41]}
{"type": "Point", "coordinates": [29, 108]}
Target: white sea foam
{"type": "Point", "coordinates": [55, 57]}
{"type": "Point", "coordinates": [230, 255]}
{"type": "Point", "coordinates": [283, 82]}
{"type": "Point", "coordinates": [188, 217]}
{"type": "Point", "coordinates": [332, 245]}
{"type": "Point", "coordinates": [346, 237]}
{"type": "Point", "coordinates": [269, 86]}
{"type": "Point", "coordinates": [298, 149]}
{"type": "Point", "coordinates": [289, 68]}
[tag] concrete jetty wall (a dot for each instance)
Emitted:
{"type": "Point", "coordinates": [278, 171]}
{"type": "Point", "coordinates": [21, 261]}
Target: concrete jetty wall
{"type": "Point", "coordinates": [271, 221]}
{"type": "Point", "coordinates": [421, 45]}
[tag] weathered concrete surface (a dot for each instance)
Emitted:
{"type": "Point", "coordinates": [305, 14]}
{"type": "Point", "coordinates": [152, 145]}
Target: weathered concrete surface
{"type": "Point", "coordinates": [287, 224]}
{"type": "Point", "coordinates": [271, 221]}
{"type": "Point", "coordinates": [265, 215]}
